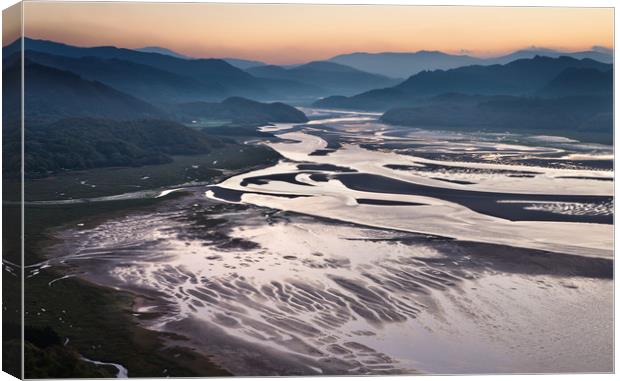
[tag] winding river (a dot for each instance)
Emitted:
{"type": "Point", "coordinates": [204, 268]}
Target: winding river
{"type": "Point", "coordinates": [372, 249]}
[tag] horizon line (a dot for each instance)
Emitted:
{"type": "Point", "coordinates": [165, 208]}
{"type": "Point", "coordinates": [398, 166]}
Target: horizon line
{"type": "Point", "coordinates": [464, 53]}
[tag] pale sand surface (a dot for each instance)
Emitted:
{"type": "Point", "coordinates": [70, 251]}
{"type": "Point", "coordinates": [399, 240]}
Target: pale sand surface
{"type": "Point", "coordinates": [324, 284]}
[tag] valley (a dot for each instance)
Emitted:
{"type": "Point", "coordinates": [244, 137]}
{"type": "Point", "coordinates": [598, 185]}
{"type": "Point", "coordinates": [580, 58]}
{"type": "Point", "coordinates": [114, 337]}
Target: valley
{"type": "Point", "coordinates": [297, 269]}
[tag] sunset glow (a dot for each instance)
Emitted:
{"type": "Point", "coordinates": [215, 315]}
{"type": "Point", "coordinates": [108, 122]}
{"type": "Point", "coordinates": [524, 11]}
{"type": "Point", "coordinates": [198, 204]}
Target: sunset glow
{"type": "Point", "coordinates": [279, 33]}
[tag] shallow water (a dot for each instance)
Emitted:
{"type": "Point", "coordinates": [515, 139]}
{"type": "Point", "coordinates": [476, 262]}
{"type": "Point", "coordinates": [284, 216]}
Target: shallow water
{"type": "Point", "coordinates": [498, 188]}
{"type": "Point", "coordinates": [280, 272]}
{"type": "Point", "coordinates": [121, 370]}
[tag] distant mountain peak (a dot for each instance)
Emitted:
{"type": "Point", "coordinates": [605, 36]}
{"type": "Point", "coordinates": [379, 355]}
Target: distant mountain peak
{"type": "Point", "coordinates": [431, 52]}
{"type": "Point", "coordinates": [518, 77]}
{"type": "Point", "coordinates": [602, 49]}
{"type": "Point", "coordinates": [539, 49]}
{"type": "Point", "coordinates": [243, 63]}
{"type": "Point", "coordinates": [327, 65]}
{"type": "Point", "coordinates": [160, 50]}
{"type": "Point", "coordinates": [405, 64]}
{"type": "Point", "coordinates": [331, 77]}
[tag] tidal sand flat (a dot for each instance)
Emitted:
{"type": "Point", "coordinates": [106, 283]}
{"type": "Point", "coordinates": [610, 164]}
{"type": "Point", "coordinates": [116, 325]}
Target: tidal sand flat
{"type": "Point", "coordinates": [183, 201]}
{"type": "Point", "coordinates": [313, 266]}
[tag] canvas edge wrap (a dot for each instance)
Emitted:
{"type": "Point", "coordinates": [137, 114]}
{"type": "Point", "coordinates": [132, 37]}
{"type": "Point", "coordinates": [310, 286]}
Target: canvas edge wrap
{"type": "Point", "coordinates": [12, 201]}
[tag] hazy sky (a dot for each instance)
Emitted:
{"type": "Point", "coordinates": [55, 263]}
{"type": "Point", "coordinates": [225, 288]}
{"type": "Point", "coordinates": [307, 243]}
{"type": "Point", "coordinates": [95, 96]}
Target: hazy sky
{"type": "Point", "coordinates": [294, 33]}
{"type": "Point", "coordinates": [11, 24]}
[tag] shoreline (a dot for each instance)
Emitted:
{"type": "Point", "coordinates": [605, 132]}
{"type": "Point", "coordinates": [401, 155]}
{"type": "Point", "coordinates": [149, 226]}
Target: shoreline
{"type": "Point", "coordinates": [122, 304]}
{"type": "Point", "coordinates": [483, 259]}
{"type": "Point", "coordinates": [44, 241]}
{"type": "Point", "coordinates": [244, 325]}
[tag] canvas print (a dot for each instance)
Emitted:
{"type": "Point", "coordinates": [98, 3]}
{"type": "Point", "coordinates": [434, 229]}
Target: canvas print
{"type": "Point", "coordinates": [228, 189]}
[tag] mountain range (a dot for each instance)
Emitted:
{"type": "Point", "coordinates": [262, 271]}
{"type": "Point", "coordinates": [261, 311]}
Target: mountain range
{"type": "Point", "coordinates": [51, 94]}
{"type": "Point", "coordinates": [162, 76]}
{"type": "Point", "coordinates": [140, 80]}
{"type": "Point", "coordinates": [241, 111]}
{"type": "Point", "coordinates": [544, 91]}
{"type": "Point", "coordinates": [160, 50]}
{"type": "Point", "coordinates": [243, 64]}
{"type": "Point", "coordinates": [575, 81]}
{"type": "Point", "coordinates": [75, 121]}
{"type": "Point", "coordinates": [520, 77]}
{"type": "Point", "coordinates": [236, 62]}
{"type": "Point", "coordinates": [222, 78]}
{"type": "Point", "coordinates": [563, 95]}
{"type": "Point", "coordinates": [328, 77]}
{"type": "Point", "coordinates": [587, 118]}
{"type": "Point", "coordinates": [404, 65]}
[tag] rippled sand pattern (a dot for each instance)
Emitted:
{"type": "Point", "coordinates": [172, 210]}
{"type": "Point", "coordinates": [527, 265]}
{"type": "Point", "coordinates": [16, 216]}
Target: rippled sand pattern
{"type": "Point", "coordinates": [320, 294]}
{"type": "Point", "coordinates": [266, 275]}
{"type": "Point", "coordinates": [308, 303]}
{"type": "Point", "coordinates": [569, 208]}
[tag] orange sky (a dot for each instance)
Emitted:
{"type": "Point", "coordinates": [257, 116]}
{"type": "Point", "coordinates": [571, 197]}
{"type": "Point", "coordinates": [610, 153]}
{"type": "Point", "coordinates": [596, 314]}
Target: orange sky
{"type": "Point", "coordinates": [279, 33]}
{"type": "Point", "coordinates": [11, 24]}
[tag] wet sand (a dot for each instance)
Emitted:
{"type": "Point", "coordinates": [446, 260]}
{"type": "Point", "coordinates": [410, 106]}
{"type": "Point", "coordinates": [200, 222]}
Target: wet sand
{"type": "Point", "coordinates": [290, 270]}
{"type": "Point", "coordinates": [265, 293]}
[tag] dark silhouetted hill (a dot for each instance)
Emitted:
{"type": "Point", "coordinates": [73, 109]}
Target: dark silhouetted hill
{"type": "Point", "coordinates": [143, 81]}
{"type": "Point", "coordinates": [574, 81]}
{"type": "Point", "coordinates": [213, 79]}
{"type": "Point", "coordinates": [587, 118]}
{"type": "Point", "coordinates": [404, 65]}
{"type": "Point", "coordinates": [243, 111]}
{"type": "Point", "coordinates": [215, 73]}
{"type": "Point", "coordinates": [52, 94]}
{"type": "Point", "coordinates": [328, 77]}
{"type": "Point", "coordinates": [597, 55]}
{"type": "Point", "coordinates": [160, 50]}
{"type": "Point", "coordinates": [519, 77]}
{"type": "Point", "coordinates": [83, 143]}
{"type": "Point", "coordinates": [243, 64]}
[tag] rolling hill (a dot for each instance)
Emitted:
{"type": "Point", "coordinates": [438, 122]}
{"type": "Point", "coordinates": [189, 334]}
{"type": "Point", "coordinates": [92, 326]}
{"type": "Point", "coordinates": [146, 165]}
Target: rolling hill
{"type": "Point", "coordinates": [180, 79]}
{"type": "Point", "coordinates": [243, 64]}
{"type": "Point", "coordinates": [587, 118]}
{"type": "Point", "coordinates": [574, 81]}
{"type": "Point", "coordinates": [597, 55]}
{"type": "Point", "coordinates": [217, 74]}
{"type": "Point", "coordinates": [160, 50]}
{"type": "Point", "coordinates": [51, 94]}
{"type": "Point", "coordinates": [139, 80]}
{"type": "Point", "coordinates": [83, 143]}
{"type": "Point", "coordinates": [243, 111]}
{"type": "Point", "coordinates": [236, 62]}
{"type": "Point", "coordinates": [326, 77]}
{"type": "Point", "coordinates": [577, 103]}
{"type": "Point", "coordinates": [403, 65]}
{"type": "Point", "coordinates": [520, 77]}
